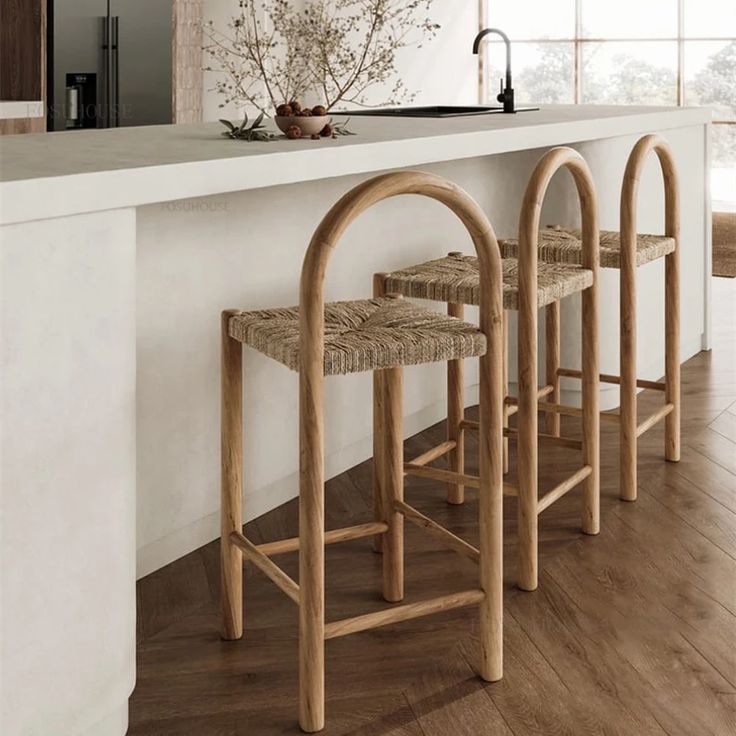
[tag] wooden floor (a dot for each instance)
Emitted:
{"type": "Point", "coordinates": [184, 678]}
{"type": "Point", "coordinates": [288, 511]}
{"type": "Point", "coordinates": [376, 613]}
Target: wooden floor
{"type": "Point", "coordinates": [631, 632]}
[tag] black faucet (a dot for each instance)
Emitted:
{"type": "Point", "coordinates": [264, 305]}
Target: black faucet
{"type": "Point", "coordinates": [506, 94]}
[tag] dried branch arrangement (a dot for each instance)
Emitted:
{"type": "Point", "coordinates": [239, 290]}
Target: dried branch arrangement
{"type": "Point", "coordinates": [334, 50]}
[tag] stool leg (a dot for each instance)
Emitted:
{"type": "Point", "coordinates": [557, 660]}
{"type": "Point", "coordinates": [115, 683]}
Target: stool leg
{"type": "Point", "coordinates": [455, 415]}
{"type": "Point", "coordinates": [393, 484]}
{"type": "Point", "coordinates": [591, 411]}
{"type": "Point", "coordinates": [527, 450]}
{"type": "Point", "coordinates": [627, 426]}
{"type": "Point", "coordinates": [505, 372]}
{"type": "Point", "coordinates": [672, 355]}
{"type": "Point", "coordinates": [231, 495]}
{"type": "Point", "coordinates": [311, 553]}
{"type": "Point", "coordinates": [490, 507]}
{"type": "Point", "coordinates": [379, 279]}
{"type": "Point", "coordinates": [552, 364]}
{"type": "Point", "coordinates": [379, 470]}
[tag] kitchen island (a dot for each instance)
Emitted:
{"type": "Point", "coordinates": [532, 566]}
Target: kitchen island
{"type": "Point", "coordinates": [118, 250]}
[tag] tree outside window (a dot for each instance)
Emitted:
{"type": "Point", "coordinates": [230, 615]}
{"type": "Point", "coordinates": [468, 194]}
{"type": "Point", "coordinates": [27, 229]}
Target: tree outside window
{"type": "Point", "coordinates": [646, 52]}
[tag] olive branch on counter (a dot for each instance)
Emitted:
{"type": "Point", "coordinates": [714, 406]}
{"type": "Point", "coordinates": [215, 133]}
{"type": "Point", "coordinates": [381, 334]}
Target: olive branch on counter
{"type": "Point", "coordinates": [257, 130]}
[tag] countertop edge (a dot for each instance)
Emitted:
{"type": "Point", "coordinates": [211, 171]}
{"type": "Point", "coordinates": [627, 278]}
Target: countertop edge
{"type": "Point", "coordinates": [33, 199]}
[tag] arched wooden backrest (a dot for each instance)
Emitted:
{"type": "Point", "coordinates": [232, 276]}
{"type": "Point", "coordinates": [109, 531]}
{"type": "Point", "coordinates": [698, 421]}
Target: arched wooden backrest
{"type": "Point", "coordinates": [630, 193]}
{"type": "Point", "coordinates": [536, 189]}
{"type": "Point", "coordinates": [628, 226]}
{"type": "Point", "coordinates": [311, 432]}
{"type": "Point", "coordinates": [527, 364]}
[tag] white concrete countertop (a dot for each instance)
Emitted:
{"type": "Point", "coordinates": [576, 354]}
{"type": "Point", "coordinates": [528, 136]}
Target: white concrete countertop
{"type": "Point", "coordinates": [59, 174]}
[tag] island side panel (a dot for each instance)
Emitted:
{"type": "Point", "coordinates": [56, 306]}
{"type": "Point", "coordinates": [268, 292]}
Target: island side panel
{"type": "Point", "coordinates": [67, 548]}
{"type": "Point", "coordinates": [197, 257]}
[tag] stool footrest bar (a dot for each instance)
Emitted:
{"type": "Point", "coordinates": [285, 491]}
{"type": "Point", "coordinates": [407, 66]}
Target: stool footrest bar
{"type": "Point", "coordinates": [608, 378]}
{"type": "Point", "coordinates": [575, 411]}
{"type": "Point", "coordinates": [447, 537]}
{"type": "Point", "coordinates": [562, 441]}
{"type": "Point", "coordinates": [446, 476]}
{"type": "Point", "coordinates": [652, 419]}
{"type": "Point", "coordinates": [282, 546]}
{"type": "Point", "coordinates": [435, 453]}
{"type": "Point", "coordinates": [403, 612]}
{"type": "Point", "coordinates": [266, 566]}
{"type": "Point", "coordinates": [560, 490]}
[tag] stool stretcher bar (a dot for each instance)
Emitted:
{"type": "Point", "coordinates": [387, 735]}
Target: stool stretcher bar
{"type": "Point", "coordinates": [608, 378]}
{"type": "Point", "coordinates": [450, 476]}
{"type": "Point", "coordinates": [652, 419]}
{"type": "Point", "coordinates": [561, 489]}
{"type": "Point", "coordinates": [512, 402]}
{"type": "Point", "coordinates": [281, 546]}
{"type": "Point", "coordinates": [575, 411]}
{"type": "Point", "coordinates": [434, 453]}
{"type": "Point", "coordinates": [403, 612]}
{"type": "Point", "coordinates": [511, 432]}
{"type": "Point", "coordinates": [447, 476]}
{"type": "Point", "coordinates": [437, 530]}
{"type": "Point", "coordinates": [266, 566]}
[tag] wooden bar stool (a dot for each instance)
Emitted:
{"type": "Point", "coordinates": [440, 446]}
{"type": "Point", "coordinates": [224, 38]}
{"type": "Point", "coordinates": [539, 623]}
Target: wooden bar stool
{"type": "Point", "coordinates": [527, 287]}
{"type": "Point", "coordinates": [382, 335]}
{"type": "Point", "coordinates": [626, 250]}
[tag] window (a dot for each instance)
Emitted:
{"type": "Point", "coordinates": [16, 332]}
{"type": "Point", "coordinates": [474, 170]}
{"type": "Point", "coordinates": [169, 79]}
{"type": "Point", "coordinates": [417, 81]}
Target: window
{"type": "Point", "coordinates": [646, 52]}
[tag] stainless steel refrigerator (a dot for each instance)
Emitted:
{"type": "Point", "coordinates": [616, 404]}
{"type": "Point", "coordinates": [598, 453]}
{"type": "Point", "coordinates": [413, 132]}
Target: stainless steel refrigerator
{"type": "Point", "coordinates": [110, 63]}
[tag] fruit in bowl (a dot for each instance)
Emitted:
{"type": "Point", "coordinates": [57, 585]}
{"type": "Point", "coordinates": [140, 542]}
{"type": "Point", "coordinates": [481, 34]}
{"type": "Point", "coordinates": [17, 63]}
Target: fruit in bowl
{"type": "Point", "coordinates": [301, 122]}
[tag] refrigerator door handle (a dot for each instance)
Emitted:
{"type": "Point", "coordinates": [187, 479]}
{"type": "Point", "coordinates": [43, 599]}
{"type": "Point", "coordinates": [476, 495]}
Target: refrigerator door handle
{"type": "Point", "coordinates": [105, 111]}
{"type": "Point", "coordinates": [108, 115]}
{"type": "Point", "coordinates": [114, 57]}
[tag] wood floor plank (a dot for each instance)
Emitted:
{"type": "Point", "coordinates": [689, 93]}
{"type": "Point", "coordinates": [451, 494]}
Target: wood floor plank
{"type": "Point", "coordinates": [694, 507]}
{"type": "Point", "coordinates": [631, 633]}
{"type": "Point", "coordinates": [588, 666]}
{"type": "Point", "coordinates": [448, 698]}
{"type": "Point", "coordinates": [725, 424]}
{"type": "Point", "coordinates": [681, 687]}
{"type": "Point", "coordinates": [715, 446]}
{"type": "Point", "coordinates": [532, 697]}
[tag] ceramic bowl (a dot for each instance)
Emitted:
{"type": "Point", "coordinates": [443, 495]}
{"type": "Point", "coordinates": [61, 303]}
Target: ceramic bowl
{"type": "Point", "coordinates": [308, 125]}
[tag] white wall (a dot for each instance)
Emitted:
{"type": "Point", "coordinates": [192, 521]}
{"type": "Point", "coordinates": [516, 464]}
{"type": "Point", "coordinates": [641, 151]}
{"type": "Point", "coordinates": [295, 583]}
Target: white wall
{"type": "Point", "coordinates": [442, 72]}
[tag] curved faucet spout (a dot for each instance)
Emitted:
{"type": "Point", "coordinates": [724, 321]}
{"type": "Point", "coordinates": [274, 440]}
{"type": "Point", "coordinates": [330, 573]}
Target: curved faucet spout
{"type": "Point", "coordinates": [498, 32]}
{"type": "Point", "coordinates": [507, 93]}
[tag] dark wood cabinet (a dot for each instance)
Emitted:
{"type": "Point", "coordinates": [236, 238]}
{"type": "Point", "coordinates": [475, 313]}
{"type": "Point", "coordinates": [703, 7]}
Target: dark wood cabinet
{"type": "Point", "coordinates": [22, 49]}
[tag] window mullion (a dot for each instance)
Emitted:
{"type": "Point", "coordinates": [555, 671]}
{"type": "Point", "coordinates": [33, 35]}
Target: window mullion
{"type": "Point", "coordinates": [578, 91]}
{"type": "Point", "coordinates": [680, 53]}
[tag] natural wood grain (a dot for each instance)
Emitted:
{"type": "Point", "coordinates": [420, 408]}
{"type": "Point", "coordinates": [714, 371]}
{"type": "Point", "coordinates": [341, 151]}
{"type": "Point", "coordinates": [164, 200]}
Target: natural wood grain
{"type": "Point", "coordinates": [379, 280]}
{"type": "Point", "coordinates": [311, 433]}
{"type": "Point", "coordinates": [345, 534]}
{"type": "Point", "coordinates": [552, 363]}
{"type": "Point", "coordinates": [455, 415]}
{"type": "Point", "coordinates": [393, 485]}
{"type": "Point", "coordinates": [628, 227]}
{"type": "Point", "coordinates": [439, 532]}
{"type": "Point", "coordinates": [631, 641]}
{"type": "Point", "coordinates": [266, 566]}
{"type": "Point", "coordinates": [22, 50]}
{"type": "Point", "coordinates": [188, 82]}
{"type": "Point", "coordinates": [403, 612]}
{"type": "Point", "coordinates": [231, 494]}
{"type": "Point", "coordinates": [527, 451]}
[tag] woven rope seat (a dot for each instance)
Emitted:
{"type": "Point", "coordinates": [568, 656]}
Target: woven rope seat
{"type": "Point", "coordinates": [363, 335]}
{"type": "Point", "coordinates": [564, 245]}
{"type": "Point", "coordinates": [455, 279]}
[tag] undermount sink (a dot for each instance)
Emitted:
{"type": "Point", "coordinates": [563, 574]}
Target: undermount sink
{"type": "Point", "coordinates": [432, 111]}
